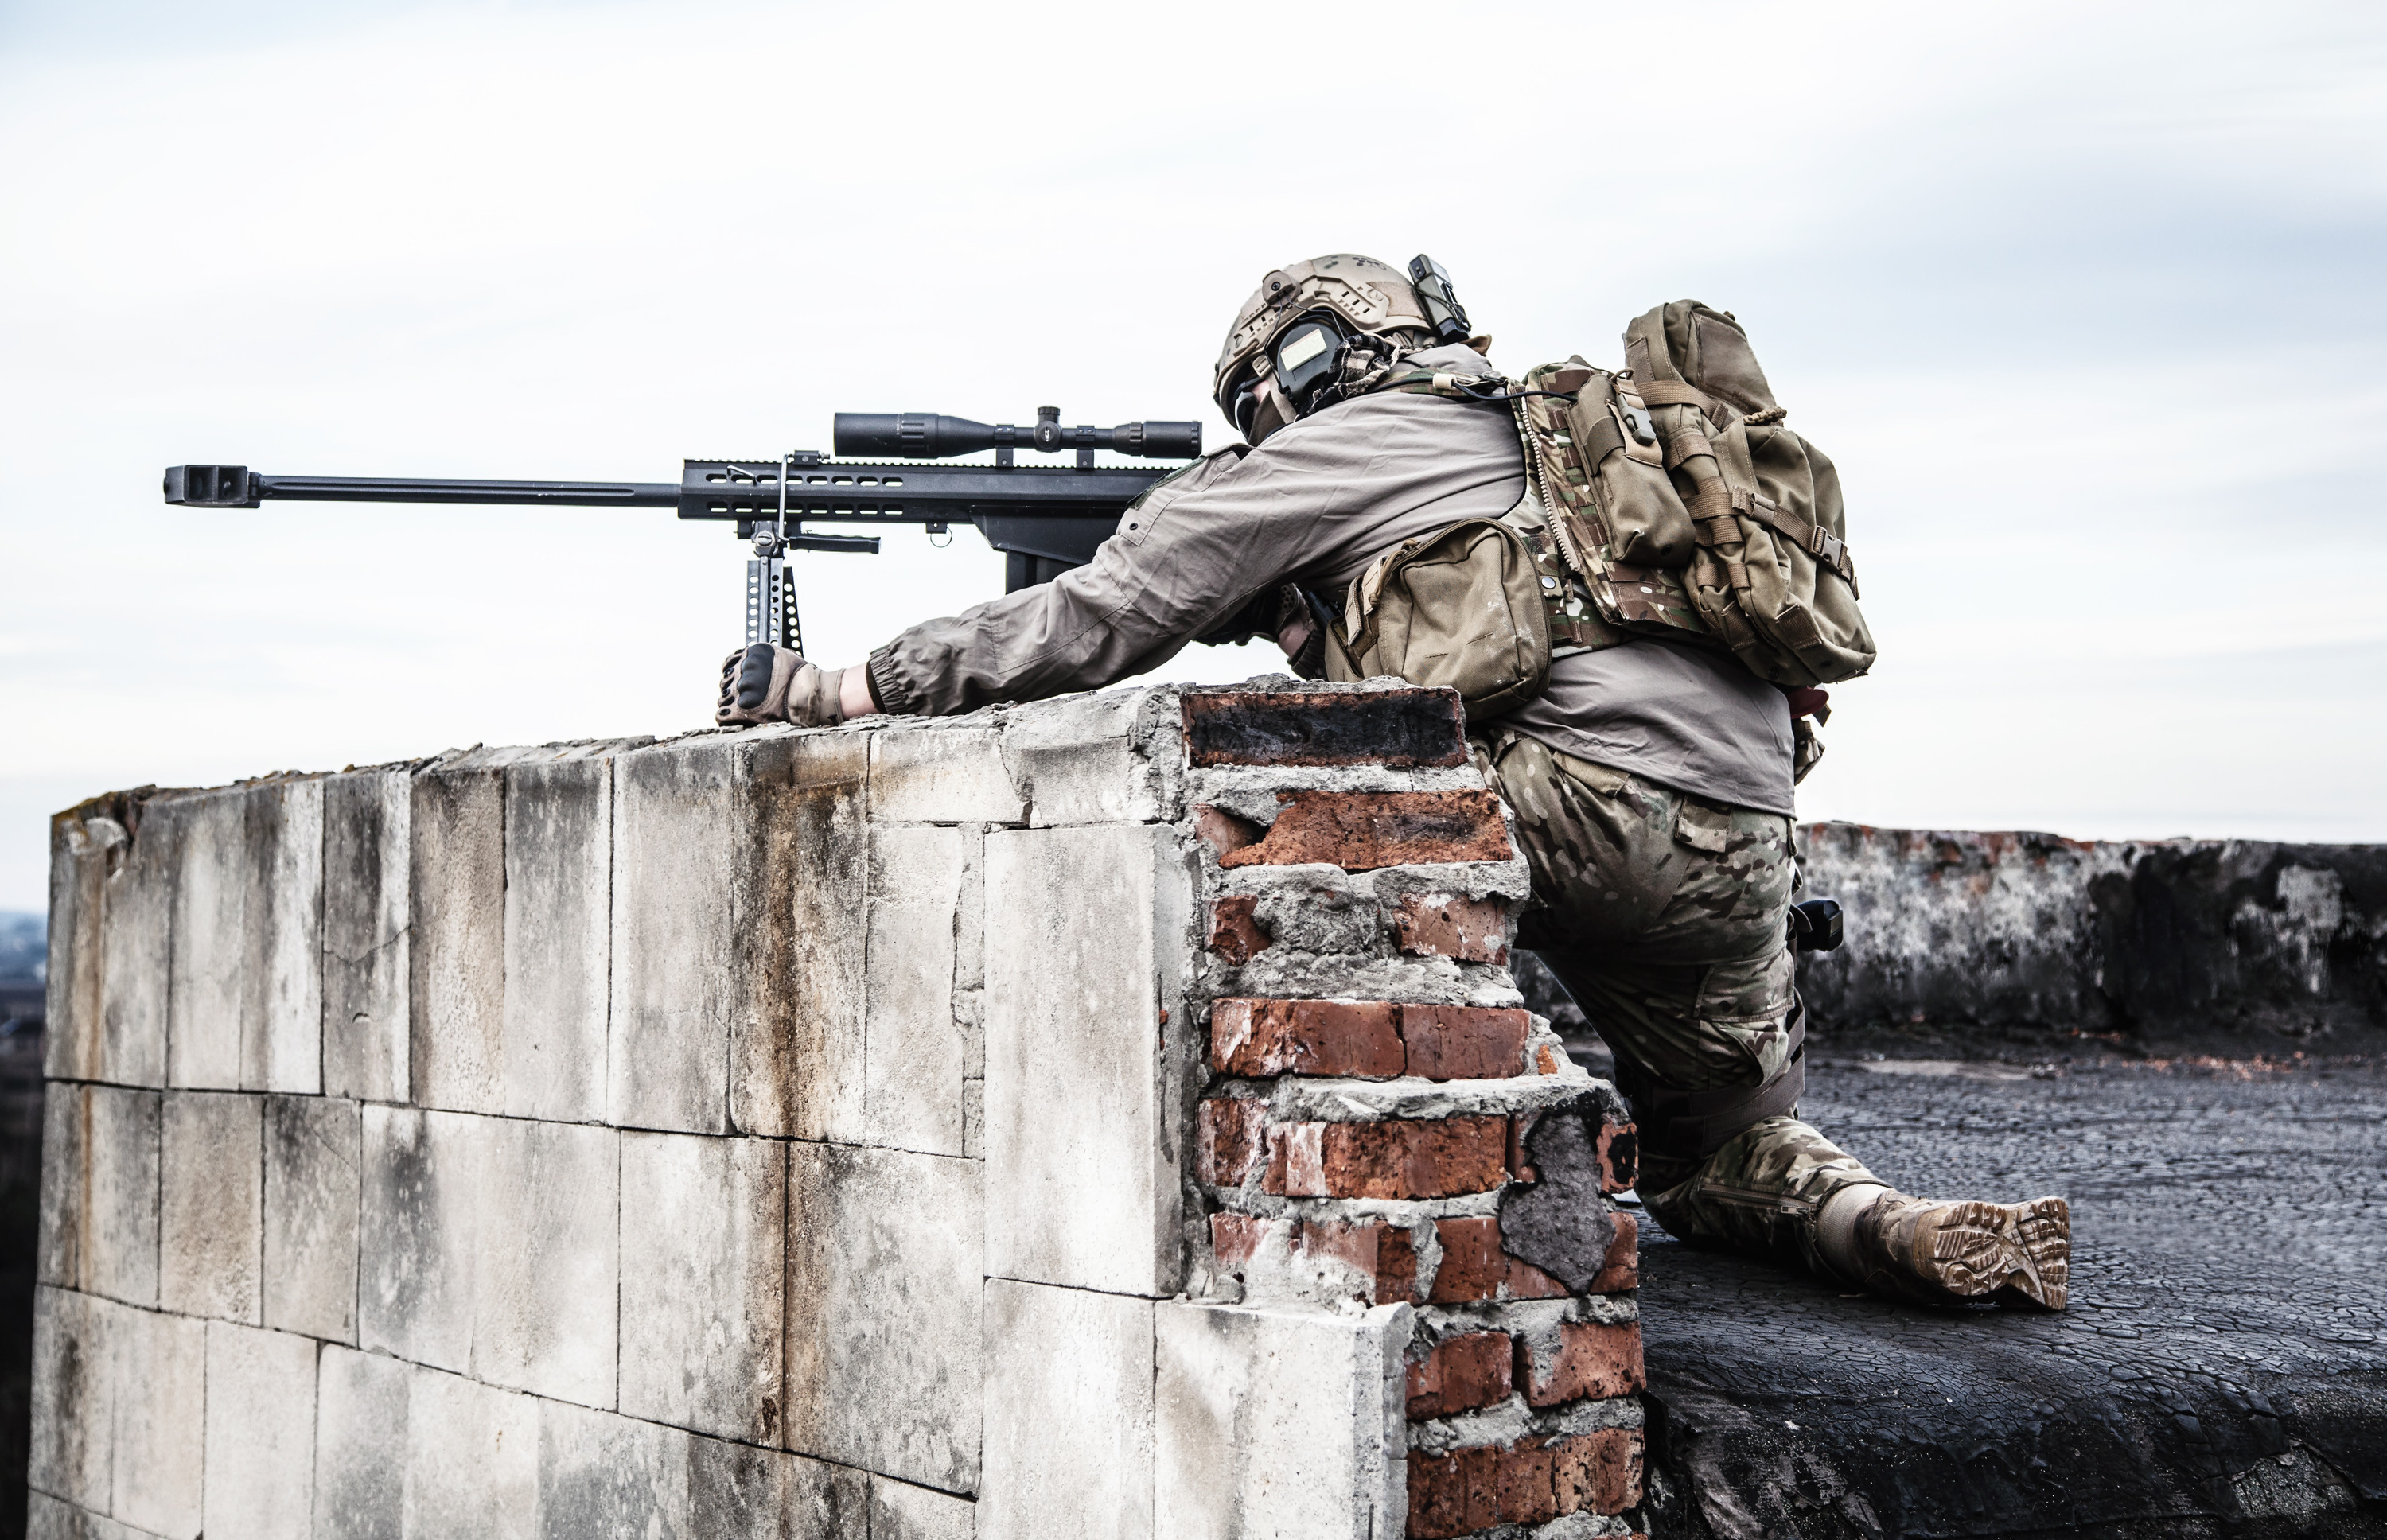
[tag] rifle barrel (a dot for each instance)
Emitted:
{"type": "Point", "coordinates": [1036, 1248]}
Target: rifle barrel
{"type": "Point", "coordinates": [582, 494]}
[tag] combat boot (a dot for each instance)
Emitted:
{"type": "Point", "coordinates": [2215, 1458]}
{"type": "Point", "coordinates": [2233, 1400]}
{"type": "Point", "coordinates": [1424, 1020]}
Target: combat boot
{"type": "Point", "coordinates": [1950, 1253]}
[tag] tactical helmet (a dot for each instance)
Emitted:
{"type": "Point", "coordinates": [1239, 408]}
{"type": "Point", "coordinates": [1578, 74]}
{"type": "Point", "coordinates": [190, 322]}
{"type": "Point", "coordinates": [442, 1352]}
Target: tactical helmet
{"type": "Point", "coordinates": [1288, 346]}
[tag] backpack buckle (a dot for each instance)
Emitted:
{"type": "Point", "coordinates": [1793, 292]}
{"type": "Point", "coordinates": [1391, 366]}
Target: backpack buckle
{"type": "Point", "coordinates": [1640, 429]}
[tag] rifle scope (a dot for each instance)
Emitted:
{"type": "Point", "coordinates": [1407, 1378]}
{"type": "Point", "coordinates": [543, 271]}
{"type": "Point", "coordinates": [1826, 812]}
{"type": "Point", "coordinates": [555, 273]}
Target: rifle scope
{"type": "Point", "coordinates": [927, 435]}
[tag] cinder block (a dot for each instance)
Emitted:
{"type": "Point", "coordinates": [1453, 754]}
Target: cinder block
{"type": "Point", "coordinates": [736, 1491]}
{"type": "Point", "coordinates": [1068, 1414]}
{"type": "Point", "coordinates": [472, 1461]}
{"type": "Point", "coordinates": [208, 834]}
{"type": "Point", "coordinates": [796, 1036]}
{"type": "Point", "coordinates": [48, 1519]}
{"type": "Point", "coordinates": [368, 920]}
{"type": "Point", "coordinates": [902, 1512]}
{"type": "Point", "coordinates": [1082, 1115]}
{"type": "Point", "coordinates": [74, 1397]}
{"type": "Point", "coordinates": [456, 959]}
{"type": "Point", "coordinates": [884, 1309]}
{"type": "Point", "coordinates": [701, 1302]}
{"type": "Point", "coordinates": [418, 1234]}
{"type": "Point", "coordinates": [685, 856]}
{"type": "Point", "coordinates": [99, 1192]}
{"type": "Point", "coordinates": [211, 1223]}
{"type": "Point", "coordinates": [558, 856]}
{"type": "Point", "coordinates": [941, 774]}
{"type": "Point", "coordinates": [599, 1474]}
{"type": "Point", "coordinates": [362, 1414]}
{"type": "Point", "coordinates": [282, 1027]}
{"type": "Point", "coordinates": [260, 1437]}
{"type": "Point", "coordinates": [245, 1008]}
{"type": "Point", "coordinates": [1279, 1423]}
{"type": "Point", "coordinates": [546, 1273]}
{"type": "Point", "coordinates": [1111, 758]}
{"type": "Point", "coordinates": [137, 955]}
{"type": "Point", "coordinates": [161, 1364]}
{"type": "Point", "coordinates": [81, 841]}
{"type": "Point", "coordinates": [917, 1051]}
{"type": "Point", "coordinates": [311, 1192]}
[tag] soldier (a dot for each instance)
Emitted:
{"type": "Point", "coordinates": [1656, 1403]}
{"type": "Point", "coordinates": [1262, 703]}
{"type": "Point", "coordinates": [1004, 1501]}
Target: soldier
{"type": "Point", "coordinates": [1651, 780]}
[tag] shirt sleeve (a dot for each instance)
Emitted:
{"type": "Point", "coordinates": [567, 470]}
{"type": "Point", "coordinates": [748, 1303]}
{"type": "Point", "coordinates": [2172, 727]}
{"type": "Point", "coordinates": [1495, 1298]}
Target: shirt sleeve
{"type": "Point", "coordinates": [1186, 558]}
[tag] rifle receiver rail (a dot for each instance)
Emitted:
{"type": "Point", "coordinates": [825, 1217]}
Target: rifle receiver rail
{"type": "Point", "coordinates": [1046, 519]}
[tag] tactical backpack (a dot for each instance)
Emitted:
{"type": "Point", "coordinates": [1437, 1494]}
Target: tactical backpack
{"type": "Point", "coordinates": [1665, 501]}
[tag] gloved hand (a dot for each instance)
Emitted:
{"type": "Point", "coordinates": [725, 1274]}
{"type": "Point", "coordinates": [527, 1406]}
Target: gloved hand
{"type": "Point", "coordinates": [1298, 632]}
{"type": "Point", "coordinates": [771, 684]}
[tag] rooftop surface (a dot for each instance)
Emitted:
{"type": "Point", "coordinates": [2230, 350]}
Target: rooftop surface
{"type": "Point", "coordinates": [2222, 1370]}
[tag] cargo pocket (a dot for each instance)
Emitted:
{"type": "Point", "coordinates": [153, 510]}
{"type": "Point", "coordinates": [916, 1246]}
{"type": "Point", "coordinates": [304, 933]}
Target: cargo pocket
{"type": "Point", "coordinates": [1748, 1005]}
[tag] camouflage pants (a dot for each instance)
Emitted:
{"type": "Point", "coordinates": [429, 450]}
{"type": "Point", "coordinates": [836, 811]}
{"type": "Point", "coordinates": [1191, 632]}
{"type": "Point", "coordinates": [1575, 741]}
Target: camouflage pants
{"type": "Point", "coordinates": [1663, 916]}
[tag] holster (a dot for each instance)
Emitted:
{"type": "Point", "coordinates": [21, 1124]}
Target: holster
{"type": "Point", "coordinates": [1692, 1125]}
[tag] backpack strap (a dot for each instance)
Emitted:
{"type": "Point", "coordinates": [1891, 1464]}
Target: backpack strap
{"type": "Point", "coordinates": [1817, 541]}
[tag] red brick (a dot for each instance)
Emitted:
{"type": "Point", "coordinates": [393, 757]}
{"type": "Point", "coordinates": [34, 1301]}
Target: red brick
{"type": "Point", "coordinates": [1460, 1374]}
{"type": "Point", "coordinates": [1474, 930]}
{"type": "Point", "coordinates": [1235, 1238]}
{"type": "Point", "coordinates": [1222, 831]}
{"type": "Point", "coordinates": [1620, 1157]}
{"type": "Point", "coordinates": [1403, 1160]}
{"type": "Point", "coordinates": [1464, 1042]}
{"type": "Point", "coordinates": [1593, 1361]}
{"type": "Point", "coordinates": [1230, 1139]}
{"type": "Point", "coordinates": [1528, 1484]}
{"type": "Point", "coordinates": [1484, 1486]}
{"type": "Point", "coordinates": [1454, 1494]}
{"type": "Point", "coordinates": [1305, 1037]}
{"type": "Point", "coordinates": [1361, 831]}
{"type": "Point", "coordinates": [1403, 729]}
{"type": "Point", "coordinates": [1382, 1251]}
{"type": "Point", "coordinates": [1545, 1061]}
{"type": "Point", "coordinates": [1621, 1269]}
{"type": "Point", "coordinates": [1474, 1267]}
{"type": "Point", "coordinates": [1235, 933]}
{"type": "Point", "coordinates": [1600, 1472]}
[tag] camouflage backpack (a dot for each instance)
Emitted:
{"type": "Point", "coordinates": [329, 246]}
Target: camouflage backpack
{"type": "Point", "coordinates": [1667, 500]}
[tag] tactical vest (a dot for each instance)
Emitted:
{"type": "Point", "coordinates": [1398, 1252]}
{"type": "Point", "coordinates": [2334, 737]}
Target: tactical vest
{"type": "Point", "coordinates": [1664, 500]}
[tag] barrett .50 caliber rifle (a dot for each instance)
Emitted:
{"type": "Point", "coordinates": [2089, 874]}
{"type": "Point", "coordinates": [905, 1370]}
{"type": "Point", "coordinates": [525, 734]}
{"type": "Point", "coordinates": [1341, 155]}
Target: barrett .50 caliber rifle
{"type": "Point", "coordinates": [1046, 519]}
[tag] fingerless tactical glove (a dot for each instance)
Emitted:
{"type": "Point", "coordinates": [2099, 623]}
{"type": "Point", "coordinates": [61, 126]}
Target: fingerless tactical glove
{"type": "Point", "coordinates": [771, 684]}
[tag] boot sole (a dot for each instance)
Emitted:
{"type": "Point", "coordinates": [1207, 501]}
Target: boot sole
{"type": "Point", "coordinates": [2017, 1254]}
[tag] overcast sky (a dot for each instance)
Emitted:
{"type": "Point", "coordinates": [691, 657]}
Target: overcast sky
{"type": "Point", "coordinates": [2086, 302]}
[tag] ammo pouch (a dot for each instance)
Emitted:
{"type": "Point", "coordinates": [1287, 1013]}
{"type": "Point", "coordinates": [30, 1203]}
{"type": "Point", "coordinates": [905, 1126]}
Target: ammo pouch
{"type": "Point", "coordinates": [1461, 608]}
{"type": "Point", "coordinates": [1693, 1125]}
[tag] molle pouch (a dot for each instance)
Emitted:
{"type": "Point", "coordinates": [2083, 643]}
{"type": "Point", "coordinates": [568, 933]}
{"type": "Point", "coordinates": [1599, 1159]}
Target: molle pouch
{"type": "Point", "coordinates": [1612, 516]}
{"type": "Point", "coordinates": [1461, 608]}
{"type": "Point", "coordinates": [1647, 524]}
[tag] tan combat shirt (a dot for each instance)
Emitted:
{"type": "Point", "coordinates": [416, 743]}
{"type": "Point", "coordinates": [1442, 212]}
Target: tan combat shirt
{"type": "Point", "coordinates": [1315, 504]}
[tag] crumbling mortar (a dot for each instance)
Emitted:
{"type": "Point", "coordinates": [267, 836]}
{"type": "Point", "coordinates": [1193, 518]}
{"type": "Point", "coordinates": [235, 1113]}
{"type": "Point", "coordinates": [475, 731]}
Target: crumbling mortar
{"type": "Point", "coordinates": [1436, 1324]}
{"type": "Point", "coordinates": [1503, 1424]}
{"type": "Point", "coordinates": [1296, 1099]}
{"type": "Point", "coordinates": [1286, 975]}
{"type": "Point", "coordinates": [1407, 1213]}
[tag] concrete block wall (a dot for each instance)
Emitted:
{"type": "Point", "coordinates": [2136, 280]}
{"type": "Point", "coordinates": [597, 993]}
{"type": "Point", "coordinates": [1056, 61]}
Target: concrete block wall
{"type": "Point", "coordinates": [1109, 1116]}
{"type": "Point", "coordinates": [2239, 946]}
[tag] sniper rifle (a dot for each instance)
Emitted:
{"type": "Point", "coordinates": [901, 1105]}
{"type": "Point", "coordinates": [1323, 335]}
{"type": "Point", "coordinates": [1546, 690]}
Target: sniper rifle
{"type": "Point", "coordinates": [1046, 519]}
